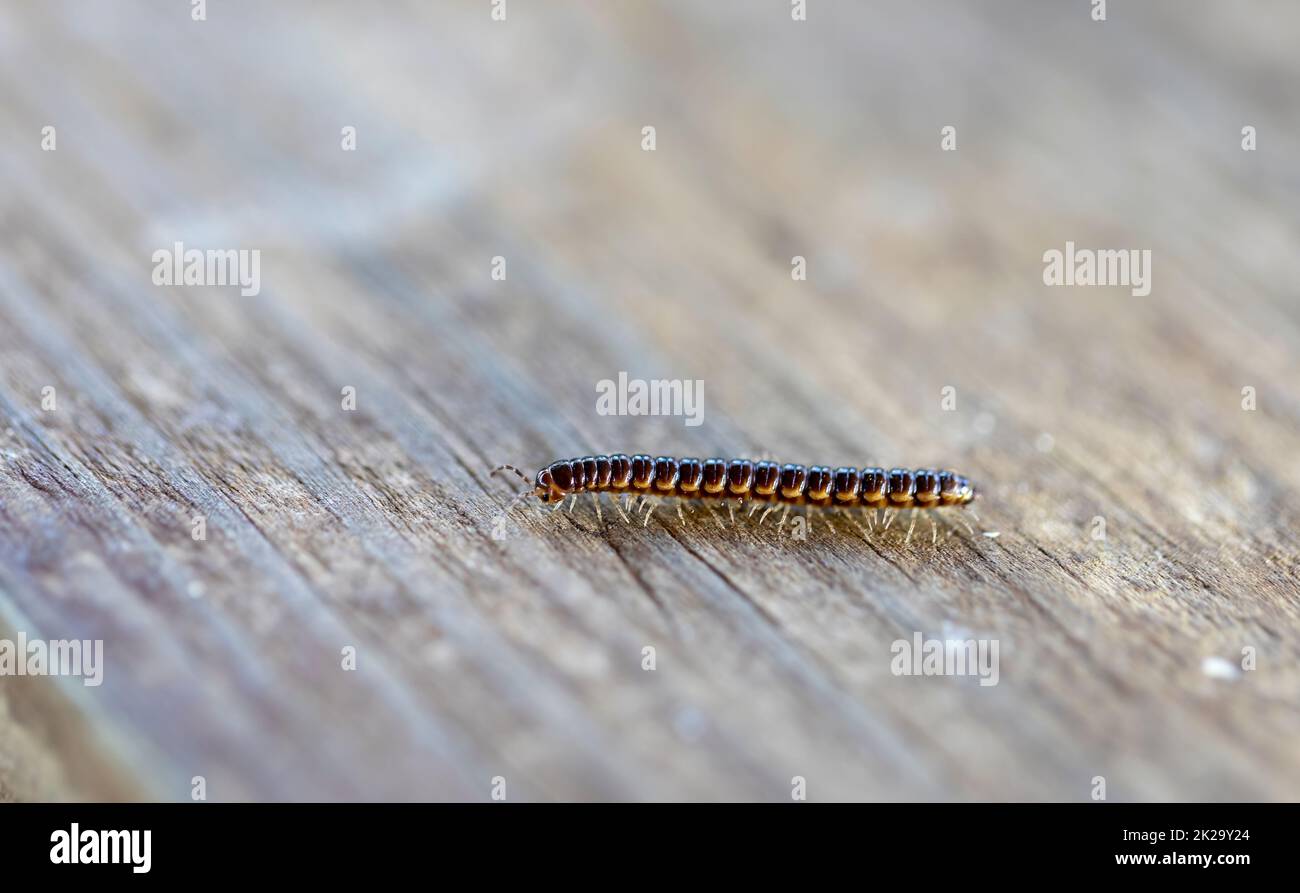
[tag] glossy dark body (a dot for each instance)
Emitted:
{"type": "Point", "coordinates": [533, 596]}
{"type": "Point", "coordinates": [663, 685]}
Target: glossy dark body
{"type": "Point", "coordinates": [817, 485]}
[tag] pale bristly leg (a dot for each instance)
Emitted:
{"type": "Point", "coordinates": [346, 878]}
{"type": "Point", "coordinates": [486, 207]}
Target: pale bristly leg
{"type": "Point", "coordinates": [962, 518]}
{"type": "Point", "coordinates": [862, 530]}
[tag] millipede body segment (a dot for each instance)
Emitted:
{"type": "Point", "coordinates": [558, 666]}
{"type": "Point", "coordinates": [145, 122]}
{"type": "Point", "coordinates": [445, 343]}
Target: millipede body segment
{"type": "Point", "coordinates": [815, 485]}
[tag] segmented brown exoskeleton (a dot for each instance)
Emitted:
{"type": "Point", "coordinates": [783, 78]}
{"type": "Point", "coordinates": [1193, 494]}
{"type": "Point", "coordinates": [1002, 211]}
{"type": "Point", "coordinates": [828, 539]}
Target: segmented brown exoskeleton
{"type": "Point", "coordinates": [747, 481]}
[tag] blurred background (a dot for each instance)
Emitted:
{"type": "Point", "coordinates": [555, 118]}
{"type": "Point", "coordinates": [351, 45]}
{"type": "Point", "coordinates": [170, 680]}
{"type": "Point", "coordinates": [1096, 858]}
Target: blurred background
{"type": "Point", "coordinates": [385, 162]}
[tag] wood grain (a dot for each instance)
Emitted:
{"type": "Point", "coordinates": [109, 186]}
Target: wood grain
{"type": "Point", "coordinates": [522, 657]}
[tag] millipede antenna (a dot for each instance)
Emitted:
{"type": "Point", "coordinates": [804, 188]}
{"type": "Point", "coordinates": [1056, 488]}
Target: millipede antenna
{"type": "Point", "coordinates": [523, 477]}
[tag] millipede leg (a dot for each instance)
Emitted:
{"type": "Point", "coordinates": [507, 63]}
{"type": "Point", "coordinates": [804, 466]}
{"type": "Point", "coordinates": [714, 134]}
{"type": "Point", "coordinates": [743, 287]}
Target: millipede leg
{"type": "Point", "coordinates": [889, 519]}
{"type": "Point", "coordinates": [573, 500]}
{"type": "Point", "coordinates": [862, 530]}
{"type": "Point", "coordinates": [731, 508]}
{"type": "Point", "coordinates": [680, 515]}
{"type": "Point", "coordinates": [519, 474]}
{"type": "Point", "coordinates": [516, 500]}
{"type": "Point", "coordinates": [910, 528]}
{"type": "Point", "coordinates": [599, 517]}
{"type": "Point", "coordinates": [964, 523]}
{"type": "Point", "coordinates": [781, 523]}
{"type": "Point", "coordinates": [716, 517]}
{"type": "Point", "coordinates": [618, 504]}
{"type": "Point", "coordinates": [752, 509]}
{"type": "Point", "coordinates": [934, 530]}
{"type": "Point", "coordinates": [763, 517]}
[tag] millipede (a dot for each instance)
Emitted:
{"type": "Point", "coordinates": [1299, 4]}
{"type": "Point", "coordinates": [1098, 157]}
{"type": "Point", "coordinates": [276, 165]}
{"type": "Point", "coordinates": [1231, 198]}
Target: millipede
{"type": "Point", "coordinates": [761, 484]}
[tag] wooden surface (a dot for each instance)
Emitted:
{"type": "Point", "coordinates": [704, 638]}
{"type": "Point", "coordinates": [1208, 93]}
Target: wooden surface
{"type": "Point", "coordinates": [522, 657]}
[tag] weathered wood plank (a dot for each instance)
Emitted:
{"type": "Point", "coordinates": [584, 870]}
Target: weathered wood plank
{"type": "Point", "coordinates": [521, 656]}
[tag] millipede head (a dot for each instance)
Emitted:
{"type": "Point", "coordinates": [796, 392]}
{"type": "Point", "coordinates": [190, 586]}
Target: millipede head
{"type": "Point", "coordinates": [557, 479]}
{"type": "Point", "coordinates": [544, 486]}
{"type": "Point", "coordinates": [539, 486]}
